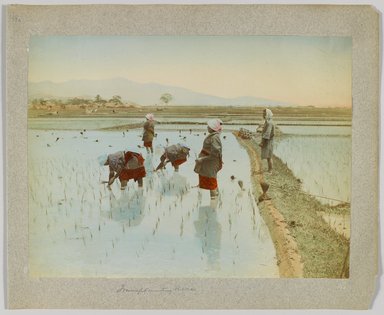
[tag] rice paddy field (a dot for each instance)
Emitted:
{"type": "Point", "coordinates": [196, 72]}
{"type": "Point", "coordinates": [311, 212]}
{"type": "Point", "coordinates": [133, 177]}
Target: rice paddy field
{"type": "Point", "coordinates": [170, 228]}
{"type": "Point", "coordinates": [321, 158]}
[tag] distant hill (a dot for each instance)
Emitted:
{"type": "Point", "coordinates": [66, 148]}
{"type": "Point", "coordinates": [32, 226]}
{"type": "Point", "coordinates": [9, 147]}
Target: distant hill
{"type": "Point", "coordinates": [138, 93]}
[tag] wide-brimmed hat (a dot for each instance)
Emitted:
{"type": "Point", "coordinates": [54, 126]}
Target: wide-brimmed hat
{"type": "Point", "coordinates": [150, 116]}
{"type": "Point", "coordinates": [215, 124]}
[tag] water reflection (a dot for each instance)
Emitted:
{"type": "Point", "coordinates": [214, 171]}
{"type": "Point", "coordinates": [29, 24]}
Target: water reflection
{"type": "Point", "coordinates": [85, 228]}
{"type": "Point", "coordinates": [174, 185]}
{"type": "Point", "coordinates": [128, 208]}
{"type": "Point", "coordinates": [208, 230]}
{"type": "Point", "coordinates": [148, 164]}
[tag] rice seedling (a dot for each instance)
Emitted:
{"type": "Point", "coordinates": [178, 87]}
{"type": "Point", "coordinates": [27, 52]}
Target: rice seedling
{"type": "Point", "coordinates": [191, 229]}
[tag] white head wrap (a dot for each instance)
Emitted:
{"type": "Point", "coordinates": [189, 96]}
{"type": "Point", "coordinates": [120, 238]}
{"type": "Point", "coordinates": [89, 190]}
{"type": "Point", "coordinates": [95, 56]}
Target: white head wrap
{"type": "Point", "coordinates": [215, 124]}
{"type": "Point", "coordinates": [183, 145]}
{"type": "Point", "coordinates": [150, 116]}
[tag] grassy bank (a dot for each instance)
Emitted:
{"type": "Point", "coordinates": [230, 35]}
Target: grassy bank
{"type": "Point", "coordinates": [322, 250]}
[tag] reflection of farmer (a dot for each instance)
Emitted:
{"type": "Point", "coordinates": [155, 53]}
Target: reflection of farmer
{"type": "Point", "coordinates": [129, 208]}
{"type": "Point", "coordinates": [209, 161]}
{"type": "Point", "coordinates": [149, 132]}
{"type": "Point", "coordinates": [176, 154]}
{"type": "Point", "coordinates": [175, 185]}
{"type": "Point", "coordinates": [208, 229]}
{"type": "Point", "coordinates": [267, 135]}
{"type": "Point", "coordinates": [125, 166]}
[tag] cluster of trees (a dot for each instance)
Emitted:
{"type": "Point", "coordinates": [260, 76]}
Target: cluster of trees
{"type": "Point", "coordinates": [98, 101]}
{"type": "Point", "coordinates": [166, 98]}
{"type": "Point", "coordinates": [116, 100]}
{"type": "Point", "coordinates": [76, 101]}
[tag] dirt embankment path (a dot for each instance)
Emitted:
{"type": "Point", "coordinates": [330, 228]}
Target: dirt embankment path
{"type": "Point", "coordinates": [288, 257]}
{"type": "Point", "coordinates": [306, 244]}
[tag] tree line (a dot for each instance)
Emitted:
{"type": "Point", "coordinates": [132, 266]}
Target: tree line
{"type": "Point", "coordinates": [76, 101]}
{"type": "Point", "coordinates": [98, 101]}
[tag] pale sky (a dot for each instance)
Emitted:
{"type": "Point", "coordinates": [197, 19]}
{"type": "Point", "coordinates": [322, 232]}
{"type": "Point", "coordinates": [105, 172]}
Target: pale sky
{"type": "Point", "coordinates": [294, 69]}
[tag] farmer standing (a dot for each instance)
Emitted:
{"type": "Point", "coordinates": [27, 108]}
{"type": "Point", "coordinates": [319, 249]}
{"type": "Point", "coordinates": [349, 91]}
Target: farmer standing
{"type": "Point", "coordinates": [209, 161]}
{"type": "Point", "coordinates": [149, 132]}
{"type": "Point", "coordinates": [176, 154]}
{"type": "Point", "coordinates": [126, 165]}
{"type": "Point", "coordinates": [267, 135]}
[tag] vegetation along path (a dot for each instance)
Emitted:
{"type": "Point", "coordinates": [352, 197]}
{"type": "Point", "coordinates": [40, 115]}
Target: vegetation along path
{"type": "Point", "coordinates": [306, 246]}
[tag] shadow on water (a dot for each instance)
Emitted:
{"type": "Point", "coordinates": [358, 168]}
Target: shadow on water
{"type": "Point", "coordinates": [208, 230]}
{"type": "Point", "coordinates": [129, 208]}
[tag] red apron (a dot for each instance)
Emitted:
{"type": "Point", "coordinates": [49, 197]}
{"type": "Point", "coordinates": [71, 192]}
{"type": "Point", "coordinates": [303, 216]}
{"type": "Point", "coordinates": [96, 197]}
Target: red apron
{"type": "Point", "coordinates": [178, 162]}
{"type": "Point", "coordinates": [207, 182]}
{"type": "Point", "coordinates": [135, 173]}
{"type": "Point", "coordinates": [148, 144]}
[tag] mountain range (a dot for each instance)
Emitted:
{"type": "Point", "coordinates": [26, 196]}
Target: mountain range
{"type": "Point", "coordinates": [137, 93]}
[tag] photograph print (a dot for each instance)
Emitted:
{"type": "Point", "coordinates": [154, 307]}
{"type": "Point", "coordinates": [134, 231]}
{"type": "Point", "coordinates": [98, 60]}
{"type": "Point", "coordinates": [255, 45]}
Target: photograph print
{"type": "Point", "coordinates": [189, 156]}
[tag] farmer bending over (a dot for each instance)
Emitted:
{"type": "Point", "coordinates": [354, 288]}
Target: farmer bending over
{"type": "Point", "coordinates": [126, 165]}
{"type": "Point", "coordinates": [176, 154]}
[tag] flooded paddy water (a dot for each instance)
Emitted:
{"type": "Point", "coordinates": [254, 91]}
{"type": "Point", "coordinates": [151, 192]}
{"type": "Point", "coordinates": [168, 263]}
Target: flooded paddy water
{"type": "Point", "coordinates": [320, 156]}
{"type": "Point", "coordinates": [77, 227]}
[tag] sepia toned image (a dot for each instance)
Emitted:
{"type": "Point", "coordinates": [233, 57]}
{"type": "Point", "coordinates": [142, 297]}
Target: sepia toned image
{"type": "Point", "coordinates": [189, 156]}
